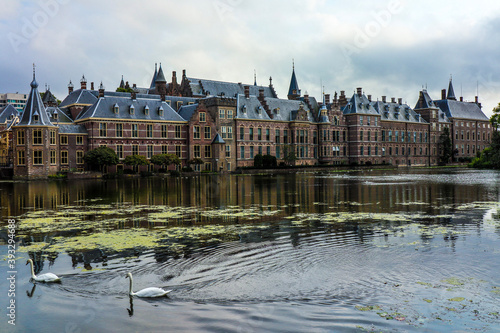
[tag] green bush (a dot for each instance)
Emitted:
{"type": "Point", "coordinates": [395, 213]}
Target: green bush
{"type": "Point", "coordinates": [258, 161]}
{"type": "Point", "coordinates": [175, 173]}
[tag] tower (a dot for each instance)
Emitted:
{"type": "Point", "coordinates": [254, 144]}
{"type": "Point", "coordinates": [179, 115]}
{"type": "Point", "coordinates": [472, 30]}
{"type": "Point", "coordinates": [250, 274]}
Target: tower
{"type": "Point", "coordinates": [35, 139]}
{"type": "Point", "coordinates": [293, 91]}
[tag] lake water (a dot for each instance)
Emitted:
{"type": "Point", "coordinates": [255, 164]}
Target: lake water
{"type": "Point", "coordinates": [366, 251]}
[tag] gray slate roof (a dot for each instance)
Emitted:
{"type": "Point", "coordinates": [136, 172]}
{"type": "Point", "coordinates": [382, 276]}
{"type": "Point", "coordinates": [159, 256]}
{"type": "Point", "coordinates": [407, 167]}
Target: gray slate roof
{"type": "Point", "coordinates": [80, 96]}
{"type": "Point", "coordinates": [463, 110]}
{"type": "Point", "coordinates": [397, 112]}
{"type": "Point", "coordinates": [281, 109]}
{"type": "Point", "coordinates": [34, 109]}
{"type": "Point", "coordinates": [8, 113]}
{"type": "Point", "coordinates": [61, 116]}
{"type": "Point", "coordinates": [359, 104]}
{"type": "Point", "coordinates": [104, 108]}
{"type": "Point", "coordinates": [202, 87]}
{"type": "Point", "coordinates": [187, 111]}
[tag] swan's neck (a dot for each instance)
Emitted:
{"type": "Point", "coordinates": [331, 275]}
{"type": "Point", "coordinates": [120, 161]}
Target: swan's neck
{"type": "Point", "coordinates": [130, 292]}
{"type": "Point", "coordinates": [33, 276]}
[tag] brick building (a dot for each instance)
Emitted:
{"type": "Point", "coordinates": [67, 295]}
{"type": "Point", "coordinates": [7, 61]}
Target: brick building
{"type": "Point", "coordinates": [225, 125]}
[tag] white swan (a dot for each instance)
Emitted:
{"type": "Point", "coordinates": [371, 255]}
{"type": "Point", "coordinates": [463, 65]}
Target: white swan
{"type": "Point", "coordinates": [47, 277]}
{"type": "Point", "coordinates": [146, 292]}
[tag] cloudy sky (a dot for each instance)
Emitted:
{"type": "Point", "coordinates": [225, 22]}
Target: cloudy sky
{"type": "Point", "coordinates": [387, 47]}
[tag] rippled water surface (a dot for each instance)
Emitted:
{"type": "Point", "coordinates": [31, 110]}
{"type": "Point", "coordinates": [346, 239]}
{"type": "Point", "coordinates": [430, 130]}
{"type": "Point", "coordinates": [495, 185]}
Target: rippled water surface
{"type": "Point", "coordinates": [367, 251]}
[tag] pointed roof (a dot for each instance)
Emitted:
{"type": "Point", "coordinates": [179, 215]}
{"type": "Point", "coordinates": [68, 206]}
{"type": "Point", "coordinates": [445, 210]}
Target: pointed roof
{"type": "Point", "coordinates": [122, 83]}
{"type": "Point", "coordinates": [154, 78]}
{"type": "Point", "coordinates": [218, 139]}
{"type": "Point", "coordinates": [48, 97]}
{"type": "Point", "coordinates": [294, 86]}
{"type": "Point", "coordinates": [160, 77]}
{"type": "Point", "coordinates": [451, 92]}
{"type": "Point", "coordinates": [34, 113]}
{"type": "Point", "coordinates": [424, 101]}
{"type": "Point", "coordinates": [8, 113]}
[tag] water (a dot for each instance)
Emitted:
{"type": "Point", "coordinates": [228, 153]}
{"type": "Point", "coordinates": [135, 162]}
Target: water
{"type": "Point", "coordinates": [382, 251]}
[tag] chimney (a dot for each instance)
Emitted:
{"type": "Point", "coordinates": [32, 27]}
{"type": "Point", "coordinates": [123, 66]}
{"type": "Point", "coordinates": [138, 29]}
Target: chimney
{"type": "Point", "coordinates": [247, 92]}
{"type": "Point", "coordinates": [369, 98]}
{"type": "Point", "coordinates": [443, 94]}
{"type": "Point", "coordinates": [70, 87]}
{"type": "Point", "coordinates": [91, 85]}
{"type": "Point", "coordinates": [327, 98]}
{"type": "Point", "coordinates": [400, 101]}
{"type": "Point", "coordinates": [393, 99]}
{"type": "Point", "coordinates": [384, 99]}
{"type": "Point", "coordinates": [162, 96]}
{"type": "Point", "coordinates": [133, 94]}
{"type": "Point", "coordinates": [101, 90]}
{"type": "Point", "coordinates": [83, 82]}
{"type": "Point", "coordinates": [306, 98]}
{"type": "Point", "coordinates": [183, 73]}
{"type": "Point", "coordinates": [477, 100]}
{"type": "Point", "coordinates": [174, 77]}
{"type": "Point", "coordinates": [461, 98]}
{"type": "Point", "coordinates": [359, 91]}
{"type": "Point", "coordinates": [261, 93]}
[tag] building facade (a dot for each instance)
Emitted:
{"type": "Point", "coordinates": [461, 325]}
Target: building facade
{"type": "Point", "coordinates": [221, 126]}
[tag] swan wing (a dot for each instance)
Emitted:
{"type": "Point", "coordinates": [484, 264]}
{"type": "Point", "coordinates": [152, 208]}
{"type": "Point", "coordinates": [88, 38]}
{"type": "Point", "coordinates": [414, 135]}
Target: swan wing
{"type": "Point", "coordinates": [152, 292]}
{"type": "Point", "coordinates": [47, 277]}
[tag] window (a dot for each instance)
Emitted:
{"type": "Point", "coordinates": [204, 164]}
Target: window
{"type": "Point", "coordinates": [132, 109]}
{"type": "Point", "coordinates": [376, 119]}
{"type": "Point", "coordinates": [177, 131]}
{"type": "Point", "coordinates": [103, 130]}
{"type": "Point", "coordinates": [37, 157]}
{"type": "Point", "coordinates": [52, 137]}
{"type": "Point", "coordinates": [361, 120]}
{"type": "Point", "coordinates": [196, 151]}
{"type": "Point", "coordinates": [360, 135]}
{"type": "Point", "coordinates": [135, 130]}
{"type": "Point", "coordinates": [278, 152]}
{"type": "Point", "coordinates": [135, 149]}
{"type": "Point", "coordinates": [64, 157]}
{"type": "Point", "coordinates": [368, 136]}
{"type": "Point", "coordinates": [178, 151]}
{"type": "Point", "coordinates": [259, 134]}
{"type": "Point", "coordinates": [229, 114]}
{"type": "Point", "coordinates": [277, 136]}
{"type": "Point", "coordinates": [250, 133]}
{"type": "Point", "coordinates": [196, 132]}
{"type": "Point", "coordinates": [242, 152]}
{"type": "Point", "coordinates": [208, 132]}
{"type": "Point", "coordinates": [368, 123]}
{"type": "Point", "coordinates": [79, 140]}
{"type": "Point", "coordinates": [222, 114]}
{"type": "Point", "coordinates": [20, 137]}
{"type": "Point", "coordinates": [251, 152]}
{"type": "Point", "coordinates": [224, 132]}
{"type": "Point", "coordinates": [146, 110]}
{"type": "Point", "coordinates": [268, 150]}
{"type": "Point", "coordinates": [390, 136]}
{"type": "Point", "coordinates": [179, 104]}
{"type": "Point", "coordinates": [164, 149]}
{"type": "Point", "coordinates": [383, 136]}
{"type": "Point", "coordinates": [119, 151]}
{"type": "Point", "coordinates": [369, 151]}
{"type": "Point", "coordinates": [149, 131]}
{"type": "Point", "coordinates": [208, 151]}
{"type": "Point", "coordinates": [119, 130]}
{"type": "Point", "coordinates": [203, 117]}
{"type": "Point", "coordinates": [376, 135]}
{"type": "Point", "coordinates": [229, 132]}
{"type": "Point", "coordinates": [362, 150]}
{"type": "Point", "coordinates": [150, 151]}
{"type": "Point", "coordinates": [285, 136]}
{"type": "Point", "coordinates": [64, 139]}
{"type": "Point", "coordinates": [79, 157]}
{"type": "Point", "coordinates": [37, 137]}
{"type": "Point", "coordinates": [53, 157]}
{"type": "Point", "coordinates": [164, 131]}
{"type": "Point", "coordinates": [242, 133]}
{"type": "Point", "coordinates": [268, 134]}
{"type": "Point", "coordinates": [228, 151]}
{"type": "Point", "coordinates": [21, 159]}
{"type": "Point", "coordinates": [260, 150]}
{"type": "Point", "coordinates": [396, 136]}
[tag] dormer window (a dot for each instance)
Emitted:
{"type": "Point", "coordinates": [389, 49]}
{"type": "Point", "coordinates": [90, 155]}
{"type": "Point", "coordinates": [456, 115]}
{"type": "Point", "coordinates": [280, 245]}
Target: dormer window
{"type": "Point", "coordinates": [146, 110]}
{"type": "Point", "coordinates": [244, 109]}
{"type": "Point", "coordinates": [160, 111]}
{"type": "Point", "coordinates": [277, 110]}
{"type": "Point", "coordinates": [116, 108]}
{"type": "Point", "coordinates": [56, 116]}
{"type": "Point", "coordinates": [132, 109]}
{"type": "Point", "coordinates": [259, 110]}
{"type": "Point", "coordinates": [36, 117]}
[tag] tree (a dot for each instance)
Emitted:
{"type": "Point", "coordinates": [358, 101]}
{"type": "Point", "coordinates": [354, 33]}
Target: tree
{"type": "Point", "coordinates": [289, 155]}
{"type": "Point", "coordinates": [127, 90]}
{"type": "Point", "coordinates": [495, 118]}
{"type": "Point", "coordinates": [490, 156]}
{"type": "Point", "coordinates": [258, 161]}
{"type": "Point", "coordinates": [135, 160]}
{"type": "Point", "coordinates": [445, 147]}
{"type": "Point", "coordinates": [164, 160]}
{"type": "Point", "coordinates": [195, 160]}
{"type": "Point", "coordinates": [269, 161]}
{"type": "Point", "coordinates": [100, 157]}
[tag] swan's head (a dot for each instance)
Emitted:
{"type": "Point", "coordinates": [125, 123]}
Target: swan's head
{"type": "Point", "coordinates": [28, 261]}
{"type": "Point", "coordinates": [129, 275]}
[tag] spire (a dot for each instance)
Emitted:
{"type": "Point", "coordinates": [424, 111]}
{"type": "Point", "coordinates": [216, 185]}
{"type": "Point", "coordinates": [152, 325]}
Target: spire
{"type": "Point", "coordinates": [451, 92]}
{"type": "Point", "coordinates": [160, 77]}
{"type": "Point", "coordinates": [122, 83]}
{"type": "Point", "coordinates": [34, 111]}
{"type": "Point", "coordinates": [154, 78]}
{"type": "Point", "coordinates": [254, 77]}
{"type": "Point", "coordinates": [293, 91]}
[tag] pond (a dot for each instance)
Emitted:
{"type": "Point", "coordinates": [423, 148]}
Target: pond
{"type": "Point", "coordinates": [413, 250]}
